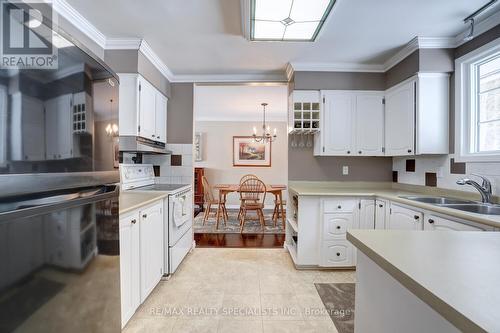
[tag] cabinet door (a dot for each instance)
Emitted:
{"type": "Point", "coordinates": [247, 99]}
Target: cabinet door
{"type": "Point", "coordinates": [369, 125]}
{"type": "Point", "coordinates": [439, 223]}
{"type": "Point", "coordinates": [380, 214]}
{"type": "Point", "coordinates": [58, 127]}
{"type": "Point", "coordinates": [161, 117]}
{"type": "Point", "coordinates": [400, 120]}
{"type": "Point", "coordinates": [337, 129]}
{"type": "Point", "coordinates": [367, 214]}
{"type": "Point", "coordinates": [147, 96]}
{"type": "Point", "coordinates": [130, 266]}
{"type": "Point", "coordinates": [338, 253]}
{"type": "Point", "coordinates": [151, 227]}
{"type": "Point", "coordinates": [335, 225]}
{"type": "Point", "coordinates": [401, 218]}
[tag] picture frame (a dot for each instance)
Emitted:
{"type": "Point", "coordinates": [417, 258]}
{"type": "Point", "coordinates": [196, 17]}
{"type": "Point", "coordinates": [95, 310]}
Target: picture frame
{"type": "Point", "coordinates": [248, 153]}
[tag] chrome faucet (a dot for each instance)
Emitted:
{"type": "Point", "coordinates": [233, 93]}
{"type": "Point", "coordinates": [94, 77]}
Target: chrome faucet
{"type": "Point", "coordinates": [484, 189]}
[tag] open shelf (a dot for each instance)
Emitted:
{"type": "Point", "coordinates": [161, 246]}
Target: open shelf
{"type": "Point", "coordinates": [293, 224]}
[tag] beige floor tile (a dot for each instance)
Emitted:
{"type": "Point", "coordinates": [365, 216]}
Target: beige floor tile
{"type": "Point", "coordinates": [280, 307]}
{"type": "Point", "coordinates": [241, 306]}
{"type": "Point", "coordinates": [190, 325]}
{"type": "Point", "coordinates": [232, 326]}
{"type": "Point", "coordinates": [150, 325]}
{"type": "Point", "coordinates": [312, 307]}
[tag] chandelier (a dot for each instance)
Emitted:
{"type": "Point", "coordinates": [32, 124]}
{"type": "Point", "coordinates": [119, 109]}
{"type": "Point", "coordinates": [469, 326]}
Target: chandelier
{"type": "Point", "coordinates": [266, 130]}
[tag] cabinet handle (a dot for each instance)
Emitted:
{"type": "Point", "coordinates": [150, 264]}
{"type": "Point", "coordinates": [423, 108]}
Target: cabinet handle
{"type": "Point", "coordinates": [338, 227]}
{"type": "Point", "coordinates": [360, 152]}
{"type": "Point", "coordinates": [134, 221]}
{"type": "Point", "coordinates": [431, 221]}
{"type": "Point", "coordinates": [153, 135]}
{"type": "Point", "coordinates": [381, 206]}
{"type": "Point", "coordinates": [348, 151]}
{"type": "Point", "coordinates": [144, 216]}
{"type": "Point", "coordinates": [339, 207]}
{"type": "Point", "coordinates": [338, 254]}
{"type": "Point", "coordinates": [416, 217]}
{"type": "Point", "coordinates": [409, 150]}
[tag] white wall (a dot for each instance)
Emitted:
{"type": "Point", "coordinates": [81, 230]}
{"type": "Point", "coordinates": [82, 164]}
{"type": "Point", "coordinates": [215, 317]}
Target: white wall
{"type": "Point", "coordinates": [217, 149]}
{"type": "Point", "coordinates": [448, 180]}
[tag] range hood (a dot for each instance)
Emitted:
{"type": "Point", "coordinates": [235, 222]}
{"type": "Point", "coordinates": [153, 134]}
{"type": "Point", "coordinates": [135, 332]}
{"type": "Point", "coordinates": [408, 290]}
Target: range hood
{"type": "Point", "coordinates": [137, 144]}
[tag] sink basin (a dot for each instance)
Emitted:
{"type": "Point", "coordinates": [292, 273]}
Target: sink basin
{"type": "Point", "coordinates": [476, 208]}
{"type": "Point", "coordinates": [438, 200]}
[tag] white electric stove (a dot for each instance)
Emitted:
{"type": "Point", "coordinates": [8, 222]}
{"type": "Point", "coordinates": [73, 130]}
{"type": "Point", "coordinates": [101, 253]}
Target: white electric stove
{"type": "Point", "coordinates": [178, 221]}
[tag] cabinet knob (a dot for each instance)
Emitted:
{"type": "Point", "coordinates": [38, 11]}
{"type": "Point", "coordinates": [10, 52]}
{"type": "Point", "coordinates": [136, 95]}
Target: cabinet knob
{"type": "Point", "coordinates": [360, 152]}
{"type": "Point", "coordinates": [153, 135]}
{"type": "Point", "coordinates": [338, 227]}
{"type": "Point", "coordinates": [144, 216]}
{"type": "Point", "coordinates": [416, 217]}
{"type": "Point", "coordinates": [339, 207]}
{"type": "Point", "coordinates": [409, 150]}
{"type": "Point", "coordinates": [381, 206]}
{"type": "Point", "coordinates": [431, 221]}
{"type": "Point", "coordinates": [134, 221]}
{"type": "Point", "coordinates": [338, 254]}
{"type": "Point", "coordinates": [348, 151]}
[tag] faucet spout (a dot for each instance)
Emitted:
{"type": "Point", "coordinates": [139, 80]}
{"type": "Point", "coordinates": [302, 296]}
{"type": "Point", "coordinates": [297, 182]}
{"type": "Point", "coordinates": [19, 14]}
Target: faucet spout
{"type": "Point", "coordinates": [484, 189]}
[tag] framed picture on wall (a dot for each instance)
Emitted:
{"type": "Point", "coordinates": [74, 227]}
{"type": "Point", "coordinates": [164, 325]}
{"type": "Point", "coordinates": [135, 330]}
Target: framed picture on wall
{"type": "Point", "coordinates": [247, 153]}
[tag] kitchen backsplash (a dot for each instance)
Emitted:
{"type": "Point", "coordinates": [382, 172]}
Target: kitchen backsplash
{"type": "Point", "coordinates": [176, 168]}
{"type": "Point", "coordinates": [443, 172]}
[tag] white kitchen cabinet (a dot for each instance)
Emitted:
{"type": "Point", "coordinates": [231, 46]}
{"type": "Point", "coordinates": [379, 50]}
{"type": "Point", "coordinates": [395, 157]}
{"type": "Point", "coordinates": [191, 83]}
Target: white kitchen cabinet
{"type": "Point", "coordinates": [28, 132]}
{"type": "Point", "coordinates": [142, 108]}
{"type": "Point", "coordinates": [59, 127]}
{"type": "Point", "coordinates": [402, 218]}
{"type": "Point", "coordinates": [369, 124]}
{"type": "Point", "coordinates": [381, 212]}
{"type": "Point", "coordinates": [352, 124]}
{"type": "Point", "coordinates": [367, 214]}
{"type": "Point", "coordinates": [416, 116]}
{"type": "Point", "coordinates": [335, 225]}
{"type": "Point", "coordinates": [304, 111]}
{"type": "Point", "coordinates": [338, 253]}
{"type": "Point", "coordinates": [151, 226]}
{"type": "Point", "coordinates": [438, 223]}
{"type": "Point", "coordinates": [161, 117]}
{"type": "Point", "coordinates": [130, 265]}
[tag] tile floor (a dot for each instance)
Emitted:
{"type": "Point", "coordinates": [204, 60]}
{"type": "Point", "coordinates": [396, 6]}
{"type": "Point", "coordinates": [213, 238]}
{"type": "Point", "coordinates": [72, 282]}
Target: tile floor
{"type": "Point", "coordinates": [238, 290]}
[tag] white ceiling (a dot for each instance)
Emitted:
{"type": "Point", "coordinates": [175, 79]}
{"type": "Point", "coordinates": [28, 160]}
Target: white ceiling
{"type": "Point", "coordinates": [204, 37]}
{"type": "Point", "coordinates": [240, 102]}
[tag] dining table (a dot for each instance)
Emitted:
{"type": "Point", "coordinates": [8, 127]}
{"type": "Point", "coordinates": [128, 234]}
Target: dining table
{"type": "Point", "coordinates": [225, 189]}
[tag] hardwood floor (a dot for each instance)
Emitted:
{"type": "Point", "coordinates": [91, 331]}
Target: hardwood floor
{"type": "Point", "coordinates": [240, 240]}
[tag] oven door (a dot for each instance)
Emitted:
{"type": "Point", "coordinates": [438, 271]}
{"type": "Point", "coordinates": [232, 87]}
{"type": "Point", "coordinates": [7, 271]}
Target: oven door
{"type": "Point", "coordinates": [180, 215]}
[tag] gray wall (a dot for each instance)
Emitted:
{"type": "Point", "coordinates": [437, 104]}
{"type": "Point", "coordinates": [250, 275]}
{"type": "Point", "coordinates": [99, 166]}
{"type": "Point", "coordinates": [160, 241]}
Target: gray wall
{"type": "Point", "coordinates": [122, 61]}
{"type": "Point", "coordinates": [152, 74]}
{"type": "Point", "coordinates": [338, 81]}
{"type": "Point", "coordinates": [403, 70]}
{"type": "Point", "coordinates": [180, 114]}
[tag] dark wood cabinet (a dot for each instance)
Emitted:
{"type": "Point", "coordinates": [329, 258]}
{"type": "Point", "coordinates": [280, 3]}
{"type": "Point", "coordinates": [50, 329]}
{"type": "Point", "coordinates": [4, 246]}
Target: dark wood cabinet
{"type": "Point", "coordinates": [198, 187]}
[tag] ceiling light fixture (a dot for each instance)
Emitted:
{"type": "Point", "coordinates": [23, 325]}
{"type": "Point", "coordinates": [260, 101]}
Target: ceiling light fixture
{"type": "Point", "coordinates": [288, 20]}
{"type": "Point", "coordinates": [266, 130]}
{"type": "Point", "coordinates": [472, 16]}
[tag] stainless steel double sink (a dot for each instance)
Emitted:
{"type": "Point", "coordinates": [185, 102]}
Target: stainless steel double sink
{"type": "Point", "coordinates": [459, 204]}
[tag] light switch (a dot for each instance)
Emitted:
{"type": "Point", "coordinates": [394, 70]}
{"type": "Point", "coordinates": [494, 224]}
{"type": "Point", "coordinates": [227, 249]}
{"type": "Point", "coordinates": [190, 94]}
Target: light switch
{"type": "Point", "coordinates": [345, 170]}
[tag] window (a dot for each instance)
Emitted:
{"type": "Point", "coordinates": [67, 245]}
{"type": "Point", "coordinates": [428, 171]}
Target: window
{"type": "Point", "coordinates": [477, 89]}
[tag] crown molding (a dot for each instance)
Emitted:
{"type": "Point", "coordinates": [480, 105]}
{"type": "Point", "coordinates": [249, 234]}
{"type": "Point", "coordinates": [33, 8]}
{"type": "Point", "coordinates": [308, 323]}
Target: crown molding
{"type": "Point", "coordinates": [81, 23]}
{"type": "Point", "coordinates": [123, 43]}
{"type": "Point", "coordinates": [148, 52]}
{"type": "Point", "coordinates": [210, 78]}
{"type": "Point", "coordinates": [479, 27]}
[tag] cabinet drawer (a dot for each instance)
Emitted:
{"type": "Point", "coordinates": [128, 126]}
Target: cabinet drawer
{"type": "Point", "coordinates": [339, 205]}
{"type": "Point", "coordinates": [337, 253]}
{"type": "Point", "coordinates": [335, 225]}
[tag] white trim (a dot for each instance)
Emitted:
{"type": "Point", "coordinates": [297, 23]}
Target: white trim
{"type": "Point", "coordinates": [148, 52]}
{"type": "Point", "coordinates": [123, 43]}
{"type": "Point", "coordinates": [81, 23]}
{"type": "Point", "coordinates": [336, 67]}
{"type": "Point", "coordinates": [462, 112]}
{"type": "Point", "coordinates": [230, 78]}
{"type": "Point", "coordinates": [269, 118]}
{"type": "Point", "coordinates": [245, 18]}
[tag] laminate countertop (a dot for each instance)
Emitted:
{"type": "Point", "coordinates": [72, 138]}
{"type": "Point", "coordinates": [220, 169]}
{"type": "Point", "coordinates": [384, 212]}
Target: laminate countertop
{"type": "Point", "coordinates": [393, 193]}
{"type": "Point", "coordinates": [455, 273]}
{"type": "Point", "coordinates": [130, 201]}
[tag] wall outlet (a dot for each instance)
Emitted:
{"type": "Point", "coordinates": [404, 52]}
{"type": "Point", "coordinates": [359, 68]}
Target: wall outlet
{"type": "Point", "coordinates": [345, 170]}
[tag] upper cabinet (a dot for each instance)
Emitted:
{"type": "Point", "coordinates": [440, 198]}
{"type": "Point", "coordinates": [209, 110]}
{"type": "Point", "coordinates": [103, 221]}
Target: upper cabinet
{"type": "Point", "coordinates": [143, 109]}
{"type": "Point", "coordinates": [416, 116]}
{"type": "Point", "coordinates": [352, 124]}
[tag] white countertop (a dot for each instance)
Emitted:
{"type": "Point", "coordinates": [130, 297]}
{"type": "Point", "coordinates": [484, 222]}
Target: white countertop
{"type": "Point", "coordinates": [385, 191]}
{"type": "Point", "coordinates": [455, 273]}
{"type": "Point", "coordinates": [131, 200]}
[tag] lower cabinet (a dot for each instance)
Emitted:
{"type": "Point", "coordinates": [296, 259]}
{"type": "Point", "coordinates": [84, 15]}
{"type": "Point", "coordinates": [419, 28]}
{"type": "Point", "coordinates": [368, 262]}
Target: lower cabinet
{"type": "Point", "coordinates": [141, 256]}
{"type": "Point", "coordinates": [402, 218]}
{"type": "Point", "coordinates": [438, 223]}
{"type": "Point", "coordinates": [337, 253]}
{"type": "Point", "coordinates": [381, 212]}
{"type": "Point", "coordinates": [367, 214]}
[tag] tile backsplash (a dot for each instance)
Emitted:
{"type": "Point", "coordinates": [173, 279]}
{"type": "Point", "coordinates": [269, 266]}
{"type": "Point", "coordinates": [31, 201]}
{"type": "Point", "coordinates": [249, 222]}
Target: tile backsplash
{"type": "Point", "coordinates": [442, 172]}
{"type": "Point", "coordinates": [176, 168]}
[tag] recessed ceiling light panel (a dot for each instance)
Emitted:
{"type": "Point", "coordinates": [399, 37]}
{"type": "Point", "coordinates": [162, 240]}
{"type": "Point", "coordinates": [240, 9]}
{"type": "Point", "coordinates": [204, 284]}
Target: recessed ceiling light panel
{"type": "Point", "coordinates": [288, 20]}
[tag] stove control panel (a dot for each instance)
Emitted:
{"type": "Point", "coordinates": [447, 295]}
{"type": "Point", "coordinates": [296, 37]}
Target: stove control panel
{"type": "Point", "coordinates": [136, 175]}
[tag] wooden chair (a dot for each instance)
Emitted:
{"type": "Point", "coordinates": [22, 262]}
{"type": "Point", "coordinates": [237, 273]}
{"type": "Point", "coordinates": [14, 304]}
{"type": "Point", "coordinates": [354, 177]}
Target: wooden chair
{"type": "Point", "coordinates": [252, 197]}
{"type": "Point", "coordinates": [242, 180]}
{"type": "Point", "coordinates": [210, 200]}
{"type": "Point", "coordinates": [277, 210]}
